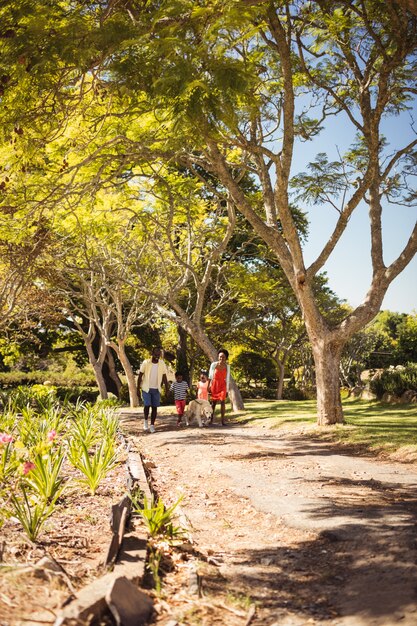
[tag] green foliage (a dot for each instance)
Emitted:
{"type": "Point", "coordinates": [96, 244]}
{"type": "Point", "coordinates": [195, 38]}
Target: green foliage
{"type": "Point", "coordinates": [395, 381]}
{"type": "Point", "coordinates": [37, 397]}
{"type": "Point", "coordinates": [253, 367]}
{"type": "Point", "coordinates": [74, 393]}
{"type": "Point", "coordinates": [35, 425]}
{"type": "Point", "coordinates": [55, 378]}
{"type": "Point", "coordinates": [92, 444]}
{"type": "Point", "coordinates": [158, 519]}
{"type": "Point", "coordinates": [45, 478]}
{"type": "Point", "coordinates": [31, 511]}
{"type": "Point", "coordinates": [94, 464]}
{"type": "Point", "coordinates": [85, 426]}
{"type": "Point", "coordinates": [124, 394]}
{"type": "Point", "coordinates": [109, 403]}
{"type": "Point", "coordinates": [9, 462]}
{"type": "Point", "coordinates": [407, 339]}
{"type": "Point", "coordinates": [323, 181]}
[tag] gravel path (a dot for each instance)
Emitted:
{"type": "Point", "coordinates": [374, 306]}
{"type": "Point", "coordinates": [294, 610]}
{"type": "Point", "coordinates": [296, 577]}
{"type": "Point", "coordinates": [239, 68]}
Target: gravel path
{"type": "Point", "coordinates": [309, 533]}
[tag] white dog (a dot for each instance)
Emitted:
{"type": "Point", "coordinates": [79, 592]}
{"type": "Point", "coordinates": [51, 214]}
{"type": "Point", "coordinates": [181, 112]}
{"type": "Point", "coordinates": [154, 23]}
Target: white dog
{"type": "Point", "coordinates": [201, 410]}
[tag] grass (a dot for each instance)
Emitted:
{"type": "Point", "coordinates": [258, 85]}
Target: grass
{"type": "Point", "coordinates": [369, 424]}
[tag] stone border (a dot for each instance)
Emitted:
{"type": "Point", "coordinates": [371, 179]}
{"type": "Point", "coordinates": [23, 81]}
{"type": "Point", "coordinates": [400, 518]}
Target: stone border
{"type": "Point", "coordinates": [117, 591]}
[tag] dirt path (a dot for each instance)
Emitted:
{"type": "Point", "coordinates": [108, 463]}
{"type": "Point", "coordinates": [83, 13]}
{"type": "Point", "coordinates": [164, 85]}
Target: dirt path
{"type": "Point", "coordinates": [305, 532]}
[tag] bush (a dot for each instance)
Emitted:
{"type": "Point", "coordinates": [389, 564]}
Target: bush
{"type": "Point", "coordinates": [293, 393]}
{"type": "Point", "coordinates": [111, 402]}
{"type": "Point", "coordinates": [124, 394]}
{"type": "Point", "coordinates": [73, 394]}
{"type": "Point", "coordinates": [253, 367]}
{"type": "Point", "coordinates": [395, 381]}
{"type": "Point", "coordinates": [40, 396]}
{"type": "Point", "coordinates": [58, 379]}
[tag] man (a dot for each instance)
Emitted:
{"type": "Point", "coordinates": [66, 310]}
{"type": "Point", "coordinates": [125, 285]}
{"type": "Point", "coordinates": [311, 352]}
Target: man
{"type": "Point", "coordinates": [152, 375]}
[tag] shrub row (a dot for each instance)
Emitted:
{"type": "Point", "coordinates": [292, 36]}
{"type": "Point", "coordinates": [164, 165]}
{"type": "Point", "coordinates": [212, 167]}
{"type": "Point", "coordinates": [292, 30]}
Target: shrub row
{"type": "Point", "coordinates": [58, 379]}
{"type": "Point", "coordinates": [79, 386]}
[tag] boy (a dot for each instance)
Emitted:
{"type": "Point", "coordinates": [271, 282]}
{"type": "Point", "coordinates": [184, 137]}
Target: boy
{"type": "Point", "coordinates": [180, 388]}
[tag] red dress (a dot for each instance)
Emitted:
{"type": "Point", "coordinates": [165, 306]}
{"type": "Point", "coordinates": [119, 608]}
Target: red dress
{"type": "Point", "coordinates": [218, 384]}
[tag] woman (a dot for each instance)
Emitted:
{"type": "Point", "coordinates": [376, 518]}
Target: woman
{"type": "Point", "coordinates": [219, 379]}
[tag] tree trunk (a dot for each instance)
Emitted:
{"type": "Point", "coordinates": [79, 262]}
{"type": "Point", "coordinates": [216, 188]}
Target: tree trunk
{"type": "Point", "coordinates": [201, 339]}
{"type": "Point", "coordinates": [182, 358]}
{"type": "Point", "coordinates": [113, 382]}
{"type": "Point", "coordinates": [97, 368]}
{"type": "Point", "coordinates": [235, 397]}
{"type": "Point", "coordinates": [280, 382]}
{"type": "Point", "coordinates": [119, 349]}
{"type": "Point", "coordinates": [108, 368]}
{"type": "Point", "coordinates": [329, 403]}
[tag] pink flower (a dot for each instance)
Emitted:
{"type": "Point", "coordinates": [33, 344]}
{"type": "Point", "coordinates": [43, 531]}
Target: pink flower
{"type": "Point", "coordinates": [51, 435]}
{"type": "Point", "coordinates": [5, 438]}
{"type": "Point", "coordinates": [28, 466]}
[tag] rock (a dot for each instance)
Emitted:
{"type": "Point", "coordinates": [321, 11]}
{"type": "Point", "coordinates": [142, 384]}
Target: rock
{"type": "Point", "coordinates": [389, 398]}
{"type": "Point", "coordinates": [367, 395]}
{"type": "Point", "coordinates": [129, 605]}
{"type": "Point", "coordinates": [334, 535]}
{"type": "Point", "coordinates": [408, 396]}
{"type": "Point", "coordinates": [194, 581]}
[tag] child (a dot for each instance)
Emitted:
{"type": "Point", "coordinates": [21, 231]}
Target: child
{"type": "Point", "coordinates": [202, 386]}
{"type": "Point", "coordinates": [180, 388]}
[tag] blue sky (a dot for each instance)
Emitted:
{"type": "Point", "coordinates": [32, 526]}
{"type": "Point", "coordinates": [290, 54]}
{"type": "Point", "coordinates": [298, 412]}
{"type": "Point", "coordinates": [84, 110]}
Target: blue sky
{"type": "Point", "coordinates": [349, 268]}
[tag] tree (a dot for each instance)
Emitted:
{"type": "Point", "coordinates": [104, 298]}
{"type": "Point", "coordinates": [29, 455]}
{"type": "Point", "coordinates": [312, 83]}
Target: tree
{"type": "Point", "coordinates": [94, 276]}
{"type": "Point", "coordinates": [235, 89]}
{"type": "Point", "coordinates": [185, 235]}
{"type": "Point", "coordinates": [407, 339]}
{"type": "Point", "coordinates": [231, 78]}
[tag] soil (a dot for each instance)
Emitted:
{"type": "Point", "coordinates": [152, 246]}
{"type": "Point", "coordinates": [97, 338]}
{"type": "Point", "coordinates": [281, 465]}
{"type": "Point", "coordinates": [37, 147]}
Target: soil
{"type": "Point", "coordinates": [283, 529]}
{"type": "Point", "coordinates": [74, 542]}
{"type": "Point", "coordinates": [286, 529]}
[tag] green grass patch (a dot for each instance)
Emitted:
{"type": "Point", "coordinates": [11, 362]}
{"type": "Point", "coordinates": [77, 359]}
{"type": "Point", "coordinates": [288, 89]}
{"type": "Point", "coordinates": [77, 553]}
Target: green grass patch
{"type": "Point", "coordinates": [275, 413]}
{"type": "Point", "coordinates": [369, 424]}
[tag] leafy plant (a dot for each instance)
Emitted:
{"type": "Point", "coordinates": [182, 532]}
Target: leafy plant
{"type": "Point", "coordinates": [158, 519]}
{"type": "Point", "coordinates": [154, 563]}
{"type": "Point", "coordinates": [35, 426]}
{"type": "Point", "coordinates": [95, 464]}
{"type": "Point", "coordinates": [31, 511]}
{"type": "Point", "coordinates": [111, 402]}
{"type": "Point", "coordinates": [159, 522]}
{"type": "Point", "coordinates": [395, 381]}
{"type": "Point", "coordinates": [8, 461]}
{"type": "Point", "coordinates": [39, 397]}
{"type": "Point", "coordinates": [109, 423]}
{"type": "Point", "coordinates": [45, 477]}
{"type": "Point", "coordinates": [85, 426]}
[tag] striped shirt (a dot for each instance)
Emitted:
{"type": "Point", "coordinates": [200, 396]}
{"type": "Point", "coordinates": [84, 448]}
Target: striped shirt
{"type": "Point", "coordinates": [180, 389]}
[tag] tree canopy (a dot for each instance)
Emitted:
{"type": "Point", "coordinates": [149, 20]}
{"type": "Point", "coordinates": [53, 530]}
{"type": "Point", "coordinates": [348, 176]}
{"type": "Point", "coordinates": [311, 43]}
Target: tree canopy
{"type": "Point", "coordinates": [97, 97]}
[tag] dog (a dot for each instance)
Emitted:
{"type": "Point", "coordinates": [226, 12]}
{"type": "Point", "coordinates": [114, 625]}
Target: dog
{"type": "Point", "coordinates": [201, 410]}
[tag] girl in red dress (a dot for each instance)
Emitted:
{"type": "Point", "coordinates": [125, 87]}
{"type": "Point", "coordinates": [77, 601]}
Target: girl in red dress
{"type": "Point", "coordinates": [219, 378]}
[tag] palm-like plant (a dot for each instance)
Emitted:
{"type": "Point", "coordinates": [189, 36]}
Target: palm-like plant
{"type": "Point", "coordinates": [94, 464]}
